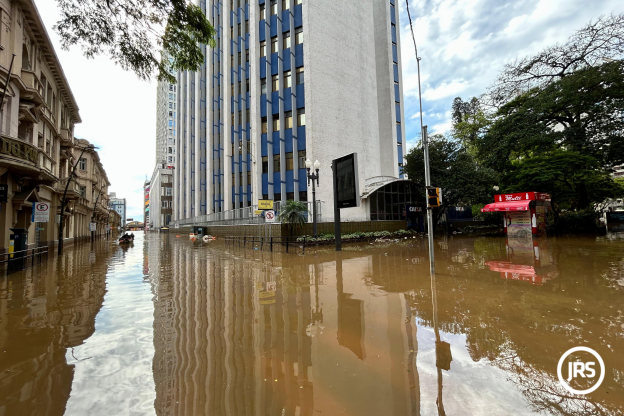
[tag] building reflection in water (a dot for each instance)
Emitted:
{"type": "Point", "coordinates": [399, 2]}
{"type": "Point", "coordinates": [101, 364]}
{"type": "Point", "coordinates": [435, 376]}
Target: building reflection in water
{"type": "Point", "coordinates": [44, 311]}
{"type": "Point", "coordinates": [368, 331]}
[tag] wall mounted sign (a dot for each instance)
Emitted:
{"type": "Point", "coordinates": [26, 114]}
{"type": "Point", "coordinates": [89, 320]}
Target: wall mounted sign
{"type": "Point", "coordinates": [347, 183]}
{"type": "Point", "coordinates": [19, 150]}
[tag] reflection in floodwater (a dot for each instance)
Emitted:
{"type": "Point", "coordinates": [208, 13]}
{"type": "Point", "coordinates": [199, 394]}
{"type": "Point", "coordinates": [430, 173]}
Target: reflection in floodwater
{"type": "Point", "coordinates": [366, 331]}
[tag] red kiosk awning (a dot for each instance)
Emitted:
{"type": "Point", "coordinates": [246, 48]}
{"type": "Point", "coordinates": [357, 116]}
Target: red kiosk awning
{"type": "Point", "coordinates": [507, 206]}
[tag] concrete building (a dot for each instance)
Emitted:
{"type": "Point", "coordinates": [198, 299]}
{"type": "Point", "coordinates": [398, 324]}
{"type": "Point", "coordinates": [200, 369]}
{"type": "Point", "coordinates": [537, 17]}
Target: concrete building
{"type": "Point", "coordinates": [118, 205]}
{"type": "Point", "coordinates": [289, 81]}
{"type": "Point", "coordinates": [38, 149]}
{"type": "Point", "coordinates": [165, 123]}
{"type": "Point", "coordinates": [161, 196]}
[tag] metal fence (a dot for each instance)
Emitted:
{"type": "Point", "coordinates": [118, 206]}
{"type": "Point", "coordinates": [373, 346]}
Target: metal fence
{"type": "Point", "coordinates": [19, 260]}
{"type": "Point", "coordinates": [243, 216]}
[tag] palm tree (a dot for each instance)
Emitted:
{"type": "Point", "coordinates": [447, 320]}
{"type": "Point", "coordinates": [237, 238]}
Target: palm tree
{"type": "Point", "coordinates": [294, 213]}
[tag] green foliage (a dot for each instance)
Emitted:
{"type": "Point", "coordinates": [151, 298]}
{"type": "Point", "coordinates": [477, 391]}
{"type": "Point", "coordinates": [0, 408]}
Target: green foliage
{"type": "Point", "coordinates": [143, 36]}
{"type": "Point", "coordinates": [358, 236]}
{"type": "Point", "coordinates": [573, 180]}
{"type": "Point", "coordinates": [571, 222]}
{"type": "Point", "coordinates": [294, 213]}
{"type": "Point", "coordinates": [454, 169]}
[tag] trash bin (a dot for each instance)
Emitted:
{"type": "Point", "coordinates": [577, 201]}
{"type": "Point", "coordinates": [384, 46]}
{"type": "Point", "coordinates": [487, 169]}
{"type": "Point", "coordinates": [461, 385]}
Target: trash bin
{"type": "Point", "coordinates": [19, 242]}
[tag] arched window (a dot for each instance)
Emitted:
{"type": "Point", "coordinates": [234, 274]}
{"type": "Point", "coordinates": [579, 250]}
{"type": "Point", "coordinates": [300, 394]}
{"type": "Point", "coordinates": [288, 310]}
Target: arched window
{"type": "Point", "coordinates": [388, 202]}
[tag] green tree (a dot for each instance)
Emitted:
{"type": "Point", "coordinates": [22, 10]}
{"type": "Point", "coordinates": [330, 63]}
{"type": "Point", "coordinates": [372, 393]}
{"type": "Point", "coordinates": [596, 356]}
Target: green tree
{"type": "Point", "coordinates": [463, 181]}
{"type": "Point", "coordinates": [143, 36]}
{"type": "Point", "coordinates": [572, 179]}
{"type": "Point", "coordinates": [294, 213]}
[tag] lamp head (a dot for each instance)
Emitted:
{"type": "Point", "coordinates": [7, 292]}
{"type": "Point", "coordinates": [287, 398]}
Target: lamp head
{"type": "Point", "coordinates": [308, 164]}
{"type": "Point", "coordinates": [317, 165]}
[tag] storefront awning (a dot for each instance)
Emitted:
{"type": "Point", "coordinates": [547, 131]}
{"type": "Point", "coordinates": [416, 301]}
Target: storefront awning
{"type": "Point", "coordinates": [507, 206]}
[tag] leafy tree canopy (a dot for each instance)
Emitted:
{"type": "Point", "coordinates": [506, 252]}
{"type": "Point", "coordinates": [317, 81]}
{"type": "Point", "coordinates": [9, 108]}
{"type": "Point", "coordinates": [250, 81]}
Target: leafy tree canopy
{"type": "Point", "coordinates": [463, 181]}
{"type": "Point", "coordinates": [143, 36]}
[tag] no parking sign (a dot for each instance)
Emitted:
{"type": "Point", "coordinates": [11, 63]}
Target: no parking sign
{"type": "Point", "coordinates": [269, 216]}
{"type": "Point", "coordinates": [41, 212]}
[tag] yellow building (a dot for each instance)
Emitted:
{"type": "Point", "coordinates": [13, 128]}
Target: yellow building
{"type": "Point", "coordinates": [37, 144]}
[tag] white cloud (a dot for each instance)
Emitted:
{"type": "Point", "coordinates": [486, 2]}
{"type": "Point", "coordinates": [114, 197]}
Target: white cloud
{"type": "Point", "coordinates": [453, 88]}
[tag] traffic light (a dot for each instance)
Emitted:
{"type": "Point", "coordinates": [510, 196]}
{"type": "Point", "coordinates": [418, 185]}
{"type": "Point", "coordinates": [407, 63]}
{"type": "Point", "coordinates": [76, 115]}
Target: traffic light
{"type": "Point", "coordinates": [434, 197]}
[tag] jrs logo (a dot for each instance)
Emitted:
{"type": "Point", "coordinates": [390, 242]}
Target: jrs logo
{"type": "Point", "coordinates": [580, 363]}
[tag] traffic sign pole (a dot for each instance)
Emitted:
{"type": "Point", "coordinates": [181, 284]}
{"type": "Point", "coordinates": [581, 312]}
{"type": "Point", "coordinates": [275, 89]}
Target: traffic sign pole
{"type": "Point", "coordinates": [429, 209]}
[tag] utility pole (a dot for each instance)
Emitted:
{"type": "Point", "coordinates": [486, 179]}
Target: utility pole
{"type": "Point", "coordinates": [423, 131]}
{"type": "Point", "coordinates": [429, 209]}
{"type": "Point", "coordinates": [63, 201]}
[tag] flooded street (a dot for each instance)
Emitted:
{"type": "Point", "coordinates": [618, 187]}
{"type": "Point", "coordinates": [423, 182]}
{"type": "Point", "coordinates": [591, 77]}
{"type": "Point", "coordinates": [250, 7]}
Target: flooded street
{"type": "Point", "coordinates": [171, 327]}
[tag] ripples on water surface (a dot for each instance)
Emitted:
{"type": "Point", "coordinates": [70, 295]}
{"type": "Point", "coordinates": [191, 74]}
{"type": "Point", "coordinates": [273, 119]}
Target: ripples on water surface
{"type": "Point", "coordinates": [170, 327]}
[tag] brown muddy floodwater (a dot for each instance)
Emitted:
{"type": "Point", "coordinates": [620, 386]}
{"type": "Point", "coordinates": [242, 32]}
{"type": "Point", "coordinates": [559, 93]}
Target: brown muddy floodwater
{"type": "Point", "coordinates": [171, 327]}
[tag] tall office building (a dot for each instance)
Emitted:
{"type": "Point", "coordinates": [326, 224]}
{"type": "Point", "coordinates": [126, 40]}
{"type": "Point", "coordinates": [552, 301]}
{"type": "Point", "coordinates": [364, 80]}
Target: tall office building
{"type": "Point", "coordinates": [290, 80]}
{"type": "Point", "coordinates": [165, 123]}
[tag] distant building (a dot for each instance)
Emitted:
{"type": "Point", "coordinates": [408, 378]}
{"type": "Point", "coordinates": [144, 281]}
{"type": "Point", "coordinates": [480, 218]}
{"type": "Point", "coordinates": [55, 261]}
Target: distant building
{"type": "Point", "coordinates": [166, 123]}
{"type": "Point", "coordinates": [119, 205]}
{"type": "Point", "coordinates": [160, 196]}
{"type": "Point", "coordinates": [290, 81]}
{"type": "Point", "coordinates": [618, 171]}
{"type": "Point", "coordinates": [146, 211]}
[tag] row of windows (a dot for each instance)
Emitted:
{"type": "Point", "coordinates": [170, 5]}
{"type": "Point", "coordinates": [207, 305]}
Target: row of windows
{"type": "Point", "coordinates": [273, 7]}
{"type": "Point", "coordinates": [303, 196]}
{"type": "Point", "coordinates": [299, 79]}
{"type": "Point", "coordinates": [240, 178]}
{"type": "Point", "coordinates": [288, 121]}
{"type": "Point", "coordinates": [285, 42]}
{"type": "Point", "coordinates": [277, 164]}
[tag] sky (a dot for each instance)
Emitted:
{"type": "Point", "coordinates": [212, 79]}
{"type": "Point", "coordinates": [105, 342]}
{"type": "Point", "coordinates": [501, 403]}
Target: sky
{"type": "Point", "coordinates": [463, 44]}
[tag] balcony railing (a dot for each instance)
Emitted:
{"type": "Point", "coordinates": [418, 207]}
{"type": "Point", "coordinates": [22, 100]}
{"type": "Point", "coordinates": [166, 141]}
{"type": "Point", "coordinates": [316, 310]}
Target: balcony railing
{"type": "Point", "coordinates": [33, 84]}
{"type": "Point", "coordinates": [243, 216]}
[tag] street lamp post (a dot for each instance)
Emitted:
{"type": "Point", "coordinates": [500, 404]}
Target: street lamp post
{"type": "Point", "coordinates": [63, 201]}
{"type": "Point", "coordinates": [314, 177]}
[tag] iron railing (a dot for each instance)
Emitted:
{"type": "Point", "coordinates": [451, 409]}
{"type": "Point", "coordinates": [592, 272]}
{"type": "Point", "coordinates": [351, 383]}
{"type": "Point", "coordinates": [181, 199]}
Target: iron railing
{"type": "Point", "coordinates": [267, 243]}
{"type": "Point", "coordinates": [18, 260]}
{"type": "Point", "coordinates": [242, 216]}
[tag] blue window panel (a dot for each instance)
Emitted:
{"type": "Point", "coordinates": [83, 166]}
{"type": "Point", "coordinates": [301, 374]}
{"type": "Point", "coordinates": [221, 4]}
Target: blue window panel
{"type": "Point", "coordinates": [262, 31]}
{"type": "Point", "coordinates": [397, 93]}
{"type": "Point", "coordinates": [275, 102]}
{"type": "Point", "coordinates": [233, 194]}
{"type": "Point", "coordinates": [260, 2]}
{"type": "Point", "coordinates": [301, 138]}
{"type": "Point", "coordinates": [298, 56]}
{"type": "Point", "coordinates": [263, 145]}
{"type": "Point", "coordinates": [300, 96]}
{"type": "Point", "coordinates": [247, 70]}
{"type": "Point", "coordinates": [288, 139]}
{"type": "Point", "coordinates": [240, 41]}
{"type": "Point", "coordinates": [277, 183]}
{"type": "Point", "coordinates": [399, 135]}
{"type": "Point", "coordinates": [392, 2]}
{"type": "Point", "coordinates": [247, 11]}
{"type": "Point", "coordinates": [274, 63]}
{"type": "Point", "coordinates": [290, 181]}
{"type": "Point", "coordinates": [398, 112]}
{"type": "Point", "coordinates": [298, 16]}
{"type": "Point", "coordinates": [248, 192]}
{"type": "Point", "coordinates": [263, 105]}
{"type": "Point", "coordinates": [231, 47]}
{"type": "Point", "coordinates": [392, 15]}
{"type": "Point", "coordinates": [231, 18]}
{"type": "Point", "coordinates": [273, 26]}
{"type": "Point", "coordinates": [239, 12]}
{"type": "Point", "coordinates": [393, 34]}
{"type": "Point", "coordinates": [276, 143]}
{"type": "Point", "coordinates": [232, 136]}
{"type": "Point", "coordinates": [285, 20]}
{"type": "Point", "coordinates": [286, 59]}
{"type": "Point", "coordinates": [232, 104]}
{"type": "Point", "coordinates": [303, 185]}
{"type": "Point", "coordinates": [263, 73]}
{"type": "Point", "coordinates": [395, 58]}
{"type": "Point", "coordinates": [247, 37]}
{"type": "Point", "coordinates": [287, 99]}
{"type": "Point", "coordinates": [247, 100]}
{"type": "Point", "coordinates": [396, 73]}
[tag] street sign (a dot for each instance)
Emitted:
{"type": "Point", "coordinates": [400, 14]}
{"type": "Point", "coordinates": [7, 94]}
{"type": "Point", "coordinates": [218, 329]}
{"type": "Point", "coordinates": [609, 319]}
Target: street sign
{"type": "Point", "coordinates": [271, 286]}
{"type": "Point", "coordinates": [265, 204]}
{"type": "Point", "coordinates": [269, 216]}
{"type": "Point", "coordinates": [4, 192]}
{"type": "Point", "coordinates": [42, 212]}
{"type": "Point", "coordinates": [92, 226]}
{"type": "Point", "coordinates": [258, 212]}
